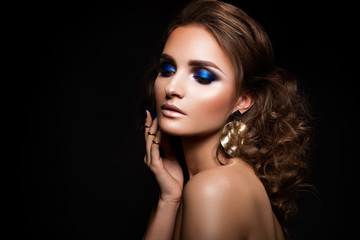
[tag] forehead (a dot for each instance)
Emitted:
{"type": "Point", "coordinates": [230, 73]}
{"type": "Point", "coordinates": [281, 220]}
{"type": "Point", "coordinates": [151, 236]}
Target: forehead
{"type": "Point", "coordinates": [194, 42]}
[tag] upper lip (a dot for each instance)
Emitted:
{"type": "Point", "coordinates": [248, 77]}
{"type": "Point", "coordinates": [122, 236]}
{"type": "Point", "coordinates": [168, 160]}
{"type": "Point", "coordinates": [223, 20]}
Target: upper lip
{"type": "Point", "coordinates": [171, 107]}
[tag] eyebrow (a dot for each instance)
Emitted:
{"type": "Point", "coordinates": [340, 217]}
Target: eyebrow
{"type": "Point", "coordinates": [201, 63]}
{"type": "Point", "coordinates": [166, 57]}
{"type": "Point", "coordinates": [196, 63]}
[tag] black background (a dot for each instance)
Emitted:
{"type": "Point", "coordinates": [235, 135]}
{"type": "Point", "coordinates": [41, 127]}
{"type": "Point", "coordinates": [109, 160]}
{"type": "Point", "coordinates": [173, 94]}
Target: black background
{"type": "Point", "coordinates": [79, 171]}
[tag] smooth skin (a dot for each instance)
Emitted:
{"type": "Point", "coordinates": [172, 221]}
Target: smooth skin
{"type": "Point", "coordinates": [218, 202]}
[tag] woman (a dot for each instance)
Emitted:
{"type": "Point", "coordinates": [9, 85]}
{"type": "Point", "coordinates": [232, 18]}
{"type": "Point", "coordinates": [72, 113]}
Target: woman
{"type": "Point", "coordinates": [236, 119]}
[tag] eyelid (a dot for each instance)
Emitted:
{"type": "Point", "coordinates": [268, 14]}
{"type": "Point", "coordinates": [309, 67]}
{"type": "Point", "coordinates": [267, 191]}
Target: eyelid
{"type": "Point", "coordinates": [214, 76]}
{"type": "Point", "coordinates": [163, 63]}
{"type": "Point", "coordinates": [167, 59]}
{"type": "Point", "coordinates": [205, 64]}
{"type": "Point", "coordinates": [166, 64]}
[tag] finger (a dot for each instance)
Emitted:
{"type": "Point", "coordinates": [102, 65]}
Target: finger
{"type": "Point", "coordinates": [148, 129]}
{"type": "Point", "coordinates": [157, 138]}
{"type": "Point", "coordinates": [155, 159]}
{"type": "Point", "coordinates": [149, 136]}
{"type": "Point", "coordinates": [151, 132]}
{"type": "Point", "coordinates": [147, 125]}
{"type": "Point", "coordinates": [148, 122]}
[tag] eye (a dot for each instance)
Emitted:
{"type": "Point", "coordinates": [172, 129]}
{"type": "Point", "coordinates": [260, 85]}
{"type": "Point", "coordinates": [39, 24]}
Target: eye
{"type": "Point", "coordinates": [166, 69]}
{"type": "Point", "coordinates": [204, 76]}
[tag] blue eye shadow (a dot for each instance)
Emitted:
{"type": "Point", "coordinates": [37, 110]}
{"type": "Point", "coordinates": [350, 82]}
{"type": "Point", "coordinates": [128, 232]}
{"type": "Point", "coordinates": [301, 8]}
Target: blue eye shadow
{"type": "Point", "coordinates": [166, 67]}
{"type": "Point", "coordinates": [203, 73]}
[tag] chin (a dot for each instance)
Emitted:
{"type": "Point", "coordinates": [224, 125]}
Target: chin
{"type": "Point", "coordinates": [171, 127]}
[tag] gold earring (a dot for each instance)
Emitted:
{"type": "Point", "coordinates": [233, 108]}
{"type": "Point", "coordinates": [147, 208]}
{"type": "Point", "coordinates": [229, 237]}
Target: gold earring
{"type": "Point", "coordinates": [232, 136]}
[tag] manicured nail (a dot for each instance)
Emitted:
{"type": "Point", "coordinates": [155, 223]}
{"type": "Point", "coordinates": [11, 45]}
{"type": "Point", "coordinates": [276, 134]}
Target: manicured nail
{"type": "Point", "coordinates": [145, 112]}
{"type": "Point", "coordinates": [155, 115]}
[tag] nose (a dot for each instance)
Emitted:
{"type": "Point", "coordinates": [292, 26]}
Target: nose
{"type": "Point", "coordinates": [175, 86]}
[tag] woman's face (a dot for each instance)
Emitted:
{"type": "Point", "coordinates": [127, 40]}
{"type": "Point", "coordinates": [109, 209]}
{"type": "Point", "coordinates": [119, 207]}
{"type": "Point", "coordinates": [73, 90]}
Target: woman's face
{"type": "Point", "coordinates": [195, 87]}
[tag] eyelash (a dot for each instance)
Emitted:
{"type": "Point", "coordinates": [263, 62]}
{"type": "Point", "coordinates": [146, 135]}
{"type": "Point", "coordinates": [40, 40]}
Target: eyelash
{"type": "Point", "coordinates": [166, 69]}
{"type": "Point", "coordinates": [207, 76]}
{"type": "Point", "coordinates": [201, 75]}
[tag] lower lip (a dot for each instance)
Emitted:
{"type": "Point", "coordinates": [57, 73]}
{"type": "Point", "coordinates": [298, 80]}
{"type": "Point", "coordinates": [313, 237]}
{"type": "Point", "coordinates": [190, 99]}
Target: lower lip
{"type": "Point", "coordinates": [170, 113]}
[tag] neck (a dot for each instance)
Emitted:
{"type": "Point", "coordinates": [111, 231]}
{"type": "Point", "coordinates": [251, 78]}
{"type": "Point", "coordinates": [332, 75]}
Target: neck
{"type": "Point", "coordinates": [200, 152]}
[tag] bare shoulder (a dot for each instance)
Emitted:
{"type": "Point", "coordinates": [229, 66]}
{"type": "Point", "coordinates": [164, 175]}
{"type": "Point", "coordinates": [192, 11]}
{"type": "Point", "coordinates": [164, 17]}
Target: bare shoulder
{"type": "Point", "coordinates": [230, 194]}
{"type": "Point", "coordinates": [231, 180]}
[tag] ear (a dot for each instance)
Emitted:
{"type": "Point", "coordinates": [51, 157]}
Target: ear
{"type": "Point", "coordinates": [243, 104]}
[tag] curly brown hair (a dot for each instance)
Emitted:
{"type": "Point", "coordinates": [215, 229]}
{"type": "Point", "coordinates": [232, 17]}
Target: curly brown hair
{"type": "Point", "coordinates": [276, 142]}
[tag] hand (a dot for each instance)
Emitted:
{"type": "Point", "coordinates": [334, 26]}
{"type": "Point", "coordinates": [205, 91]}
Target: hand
{"type": "Point", "coordinates": [167, 170]}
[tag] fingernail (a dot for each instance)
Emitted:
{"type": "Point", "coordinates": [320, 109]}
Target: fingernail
{"type": "Point", "coordinates": [155, 115]}
{"type": "Point", "coordinates": [145, 112]}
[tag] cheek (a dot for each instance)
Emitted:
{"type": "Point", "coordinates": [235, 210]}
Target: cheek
{"type": "Point", "coordinates": [213, 105]}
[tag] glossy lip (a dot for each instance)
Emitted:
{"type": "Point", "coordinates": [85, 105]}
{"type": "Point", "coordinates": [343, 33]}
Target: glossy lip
{"type": "Point", "coordinates": [171, 110]}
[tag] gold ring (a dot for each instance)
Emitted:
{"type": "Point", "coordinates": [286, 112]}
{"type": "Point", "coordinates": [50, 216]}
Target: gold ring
{"type": "Point", "coordinates": [155, 142]}
{"type": "Point", "coordinates": [151, 133]}
{"type": "Point", "coordinates": [147, 126]}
